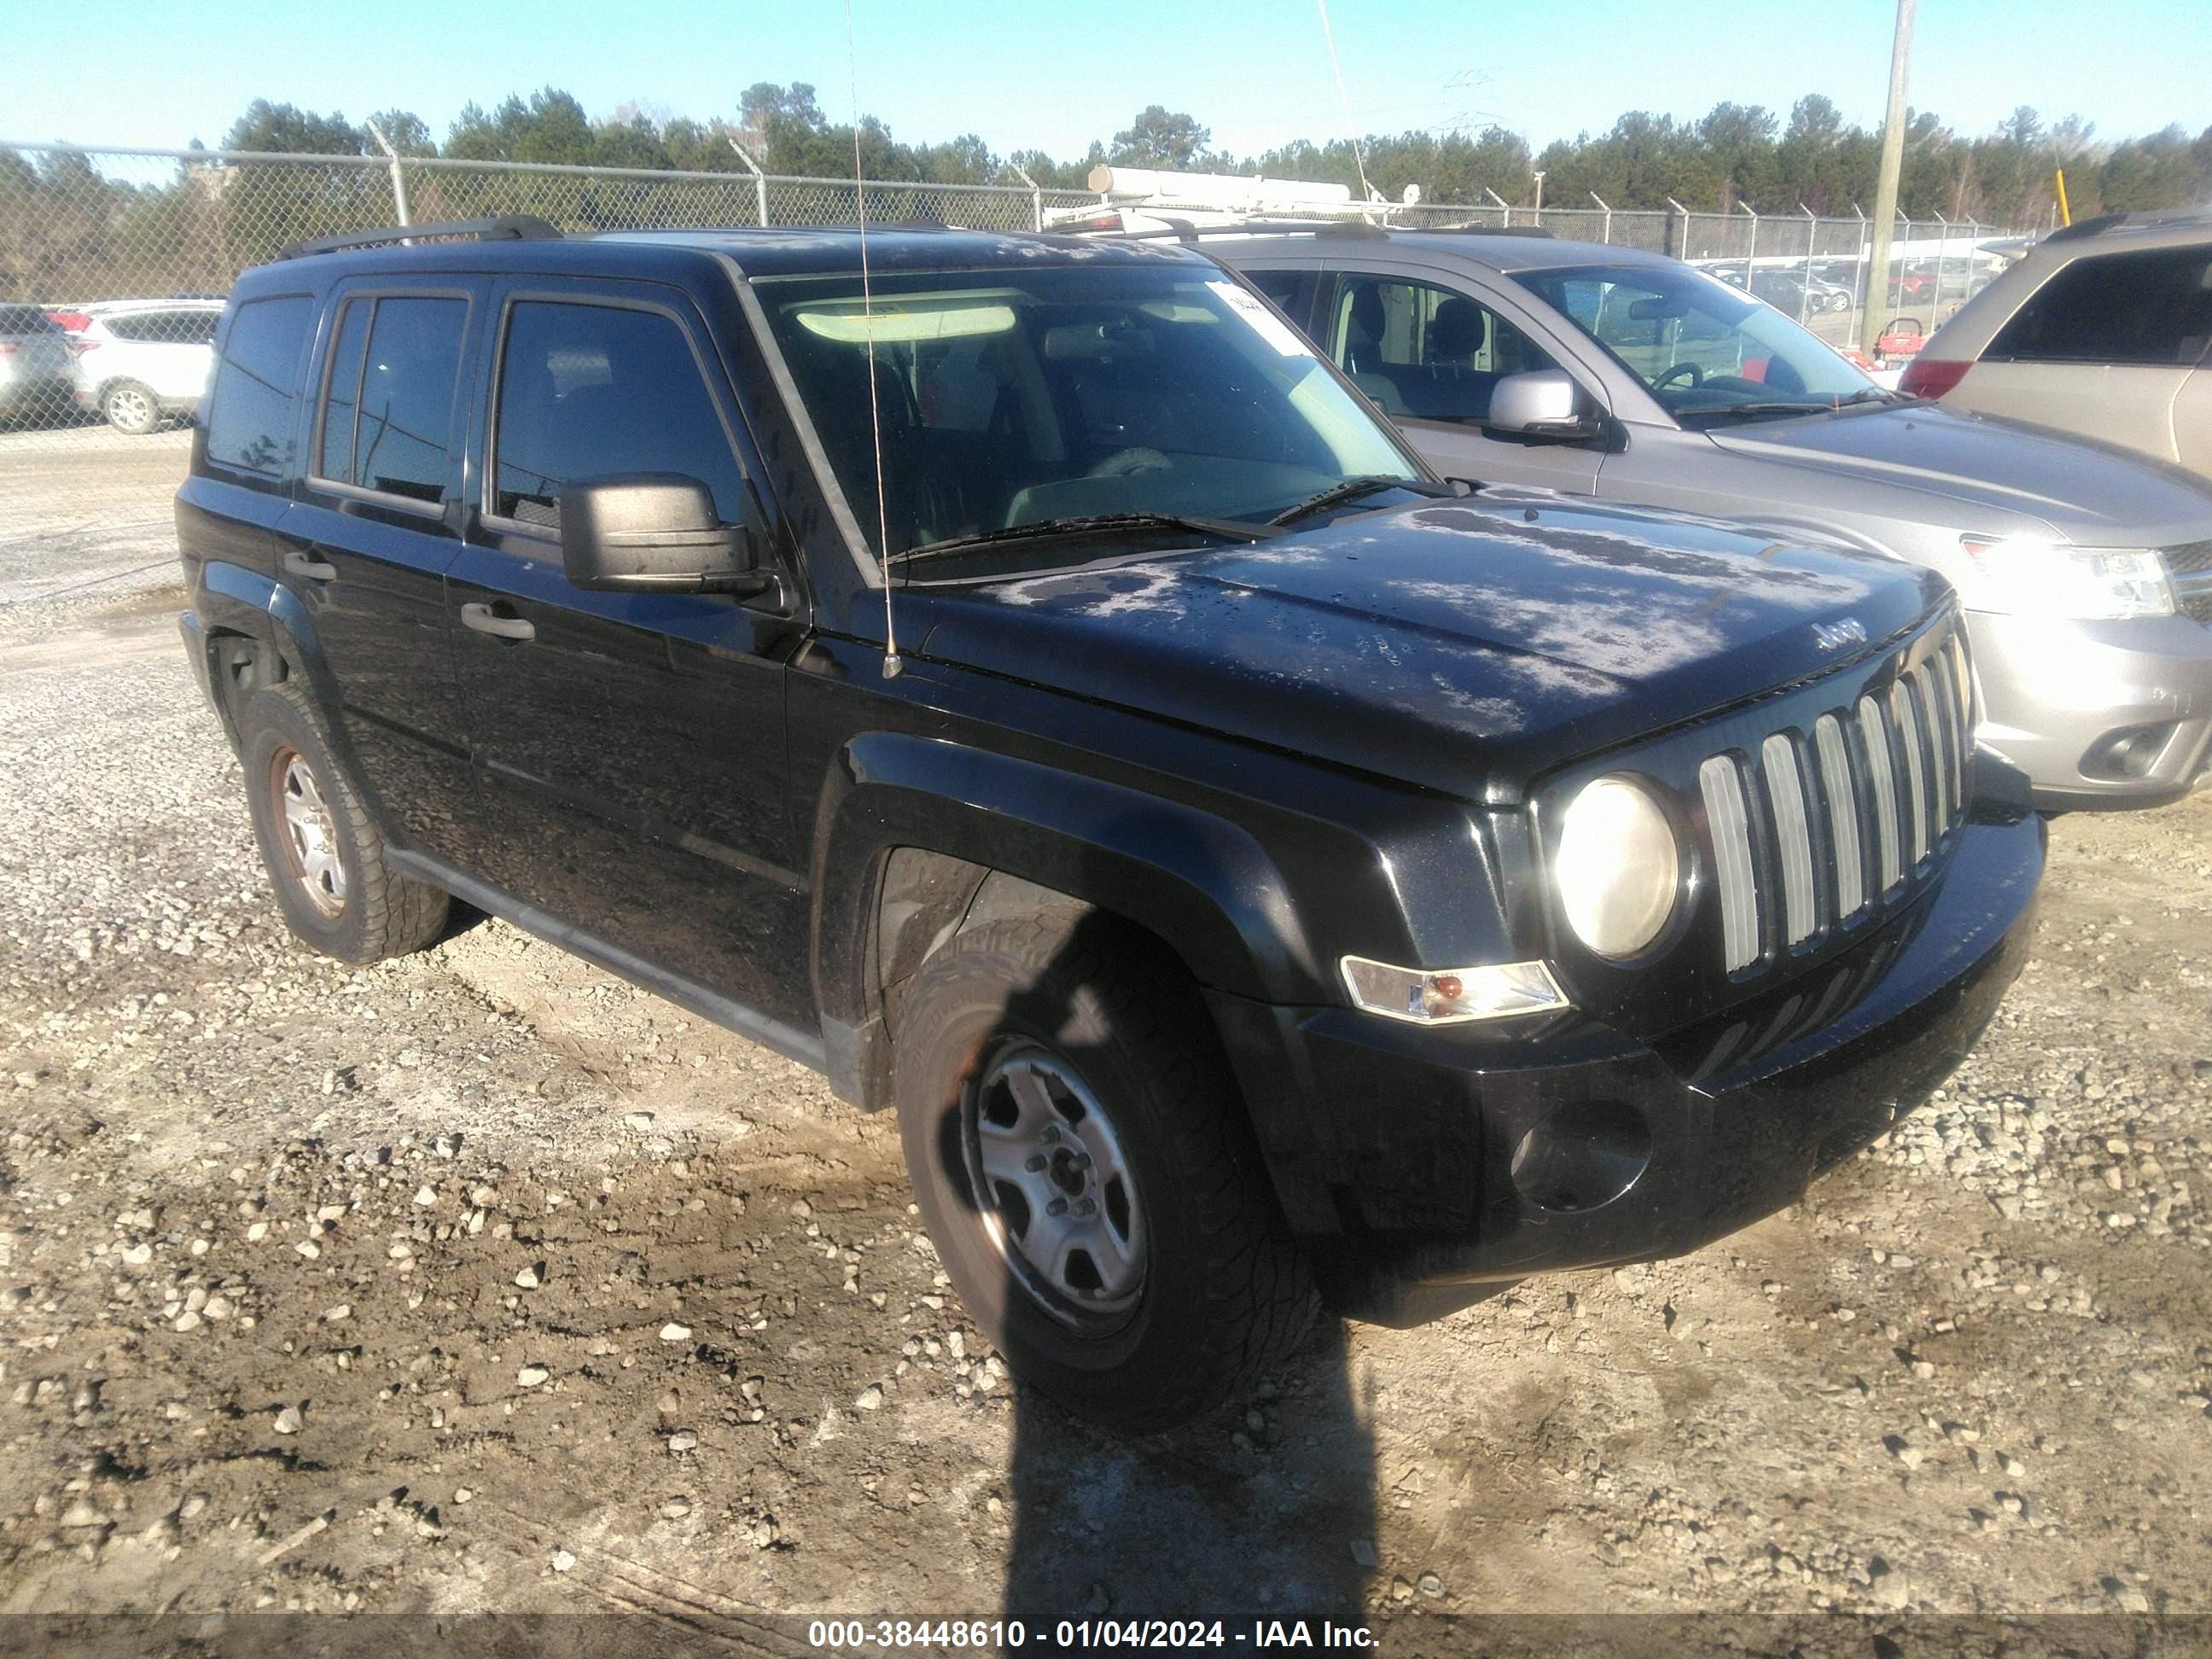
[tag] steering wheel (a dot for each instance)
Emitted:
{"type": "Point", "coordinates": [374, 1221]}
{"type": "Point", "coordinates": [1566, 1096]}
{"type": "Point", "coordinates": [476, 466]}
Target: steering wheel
{"type": "Point", "coordinates": [1697, 375]}
{"type": "Point", "coordinates": [1123, 462]}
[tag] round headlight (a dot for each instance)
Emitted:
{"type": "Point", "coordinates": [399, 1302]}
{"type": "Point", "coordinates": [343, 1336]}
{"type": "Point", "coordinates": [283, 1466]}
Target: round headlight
{"type": "Point", "coordinates": [1617, 868]}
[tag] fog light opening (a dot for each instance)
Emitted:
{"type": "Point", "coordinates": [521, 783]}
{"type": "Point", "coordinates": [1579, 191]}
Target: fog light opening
{"type": "Point", "coordinates": [1583, 1156]}
{"type": "Point", "coordinates": [2127, 754]}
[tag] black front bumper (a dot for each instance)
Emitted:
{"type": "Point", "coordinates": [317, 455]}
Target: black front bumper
{"type": "Point", "coordinates": [1420, 1166]}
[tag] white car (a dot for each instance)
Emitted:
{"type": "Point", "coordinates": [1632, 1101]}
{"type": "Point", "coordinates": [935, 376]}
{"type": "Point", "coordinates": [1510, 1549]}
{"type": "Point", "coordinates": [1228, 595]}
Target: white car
{"type": "Point", "coordinates": [139, 361]}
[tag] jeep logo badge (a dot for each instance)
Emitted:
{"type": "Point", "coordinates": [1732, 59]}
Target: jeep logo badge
{"type": "Point", "coordinates": [1833, 636]}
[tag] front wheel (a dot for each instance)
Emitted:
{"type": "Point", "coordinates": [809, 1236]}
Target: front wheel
{"type": "Point", "coordinates": [1074, 1140]}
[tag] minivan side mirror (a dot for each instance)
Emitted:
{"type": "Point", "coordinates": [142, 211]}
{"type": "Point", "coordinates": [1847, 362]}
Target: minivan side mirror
{"type": "Point", "coordinates": [654, 532]}
{"type": "Point", "coordinates": [1543, 403]}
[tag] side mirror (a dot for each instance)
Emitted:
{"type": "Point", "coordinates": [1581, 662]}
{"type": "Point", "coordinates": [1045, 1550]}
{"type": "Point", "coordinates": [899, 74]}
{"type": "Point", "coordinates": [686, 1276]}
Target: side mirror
{"type": "Point", "coordinates": [1542, 403]}
{"type": "Point", "coordinates": [654, 532]}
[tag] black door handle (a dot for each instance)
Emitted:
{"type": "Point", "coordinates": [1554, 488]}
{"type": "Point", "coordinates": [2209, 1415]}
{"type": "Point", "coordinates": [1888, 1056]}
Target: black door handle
{"type": "Point", "coordinates": [308, 565]}
{"type": "Point", "coordinates": [486, 619]}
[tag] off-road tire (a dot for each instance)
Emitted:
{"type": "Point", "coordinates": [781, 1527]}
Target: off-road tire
{"type": "Point", "coordinates": [1226, 1294]}
{"type": "Point", "coordinates": [383, 914]}
{"type": "Point", "coordinates": [130, 408]}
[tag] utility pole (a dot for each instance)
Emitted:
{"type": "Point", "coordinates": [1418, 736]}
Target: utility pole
{"type": "Point", "coordinates": [1892, 162]}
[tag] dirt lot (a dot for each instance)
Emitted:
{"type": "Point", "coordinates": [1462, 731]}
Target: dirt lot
{"type": "Point", "coordinates": [481, 1281]}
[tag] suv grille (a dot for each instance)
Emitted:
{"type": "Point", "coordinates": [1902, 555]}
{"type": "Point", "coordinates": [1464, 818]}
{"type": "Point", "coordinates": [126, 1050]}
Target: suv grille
{"type": "Point", "coordinates": [1827, 822]}
{"type": "Point", "coordinates": [2190, 565]}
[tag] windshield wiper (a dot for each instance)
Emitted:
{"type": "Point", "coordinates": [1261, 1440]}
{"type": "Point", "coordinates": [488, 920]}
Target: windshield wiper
{"type": "Point", "coordinates": [1088, 524]}
{"type": "Point", "coordinates": [1747, 411]}
{"type": "Point", "coordinates": [1367, 483]}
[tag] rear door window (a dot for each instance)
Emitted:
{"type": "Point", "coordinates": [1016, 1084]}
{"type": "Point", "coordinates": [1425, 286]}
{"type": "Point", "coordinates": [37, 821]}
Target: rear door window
{"type": "Point", "coordinates": [2150, 307]}
{"type": "Point", "coordinates": [590, 390]}
{"type": "Point", "coordinates": [257, 384]}
{"type": "Point", "coordinates": [388, 404]}
{"type": "Point", "coordinates": [1291, 290]}
{"type": "Point", "coordinates": [166, 327]}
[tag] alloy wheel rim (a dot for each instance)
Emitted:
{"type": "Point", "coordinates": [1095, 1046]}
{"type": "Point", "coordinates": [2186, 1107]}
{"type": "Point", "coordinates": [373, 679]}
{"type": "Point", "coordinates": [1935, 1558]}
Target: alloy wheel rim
{"type": "Point", "coordinates": [132, 406]}
{"type": "Point", "coordinates": [1058, 1200]}
{"type": "Point", "coordinates": [310, 835]}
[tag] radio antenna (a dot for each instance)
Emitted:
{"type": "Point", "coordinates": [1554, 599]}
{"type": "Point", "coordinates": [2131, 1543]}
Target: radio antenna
{"type": "Point", "coordinates": [892, 664]}
{"type": "Point", "coordinates": [1358, 150]}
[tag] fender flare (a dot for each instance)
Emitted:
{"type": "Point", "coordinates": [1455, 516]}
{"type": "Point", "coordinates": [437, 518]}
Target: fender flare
{"type": "Point", "coordinates": [233, 600]}
{"type": "Point", "coordinates": [1203, 886]}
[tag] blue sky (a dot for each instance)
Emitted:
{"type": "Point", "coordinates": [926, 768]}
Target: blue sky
{"type": "Point", "coordinates": [1054, 77]}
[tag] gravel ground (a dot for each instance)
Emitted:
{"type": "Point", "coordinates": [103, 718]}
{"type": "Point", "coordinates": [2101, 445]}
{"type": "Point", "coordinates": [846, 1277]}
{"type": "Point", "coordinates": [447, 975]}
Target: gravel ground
{"type": "Point", "coordinates": [480, 1281]}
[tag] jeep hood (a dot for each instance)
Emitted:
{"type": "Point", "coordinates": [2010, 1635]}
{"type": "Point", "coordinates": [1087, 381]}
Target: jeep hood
{"type": "Point", "coordinates": [1461, 647]}
{"type": "Point", "coordinates": [1988, 469]}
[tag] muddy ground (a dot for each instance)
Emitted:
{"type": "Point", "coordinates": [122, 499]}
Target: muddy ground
{"type": "Point", "coordinates": [482, 1281]}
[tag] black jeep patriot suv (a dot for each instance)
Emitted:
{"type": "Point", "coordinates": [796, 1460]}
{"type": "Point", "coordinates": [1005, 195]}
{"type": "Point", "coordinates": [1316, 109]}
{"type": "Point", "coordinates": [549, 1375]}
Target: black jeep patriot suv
{"type": "Point", "coordinates": [1259, 875]}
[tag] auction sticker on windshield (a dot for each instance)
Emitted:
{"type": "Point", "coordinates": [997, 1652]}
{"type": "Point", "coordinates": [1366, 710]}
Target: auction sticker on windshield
{"type": "Point", "coordinates": [1267, 325]}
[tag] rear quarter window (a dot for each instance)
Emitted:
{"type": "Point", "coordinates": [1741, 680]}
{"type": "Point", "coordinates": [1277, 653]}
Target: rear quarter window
{"type": "Point", "coordinates": [257, 383]}
{"type": "Point", "coordinates": [2151, 306]}
{"type": "Point", "coordinates": [164, 327]}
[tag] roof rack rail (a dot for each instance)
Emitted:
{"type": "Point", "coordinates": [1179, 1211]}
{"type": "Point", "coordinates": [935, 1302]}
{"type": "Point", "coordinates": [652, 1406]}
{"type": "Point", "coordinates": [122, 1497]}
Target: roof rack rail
{"type": "Point", "coordinates": [2143, 219]}
{"type": "Point", "coordinates": [508, 228]}
{"type": "Point", "coordinates": [1539, 231]}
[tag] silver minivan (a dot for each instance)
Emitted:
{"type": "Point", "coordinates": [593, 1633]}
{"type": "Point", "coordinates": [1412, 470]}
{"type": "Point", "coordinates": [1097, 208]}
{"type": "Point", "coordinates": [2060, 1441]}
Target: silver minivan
{"type": "Point", "coordinates": [1605, 371]}
{"type": "Point", "coordinates": [2103, 329]}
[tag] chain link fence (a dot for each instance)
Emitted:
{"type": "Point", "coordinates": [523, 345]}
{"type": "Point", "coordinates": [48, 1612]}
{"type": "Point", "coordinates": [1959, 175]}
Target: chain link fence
{"type": "Point", "coordinates": [80, 224]}
{"type": "Point", "coordinates": [1818, 270]}
{"type": "Point", "coordinates": [113, 262]}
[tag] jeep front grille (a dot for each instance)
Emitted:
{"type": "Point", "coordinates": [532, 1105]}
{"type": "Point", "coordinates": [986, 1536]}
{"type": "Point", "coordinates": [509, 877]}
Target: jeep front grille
{"type": "Point", "coordinates": [1824, 823]}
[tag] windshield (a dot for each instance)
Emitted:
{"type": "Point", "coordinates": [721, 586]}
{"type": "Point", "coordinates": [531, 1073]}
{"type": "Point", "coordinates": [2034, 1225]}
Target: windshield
{"type": "Point", "coordinates": [1699, 346]}
{"type": "Point", "coordinates": [1012, 398]}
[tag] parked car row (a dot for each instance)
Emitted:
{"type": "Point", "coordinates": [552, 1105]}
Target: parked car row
{"type": "Point", "coordinates": [136, 364]}
{"type": "Point", "coordinates": [1788, 291]}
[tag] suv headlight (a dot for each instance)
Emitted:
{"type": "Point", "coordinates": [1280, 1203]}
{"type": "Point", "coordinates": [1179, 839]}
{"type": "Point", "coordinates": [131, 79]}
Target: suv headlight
{"type": "Point", "coordinates": [1619, 868]}
{"type": "Point", "coordinates": [2025, 576]}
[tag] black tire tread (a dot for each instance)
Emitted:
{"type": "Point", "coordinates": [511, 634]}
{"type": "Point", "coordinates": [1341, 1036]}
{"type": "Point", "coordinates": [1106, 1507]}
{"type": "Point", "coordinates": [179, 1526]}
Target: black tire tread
{"type": "Point", "coordinates": [1260, 1298]}
{"type": "Point", "coordinates": [393, 914]}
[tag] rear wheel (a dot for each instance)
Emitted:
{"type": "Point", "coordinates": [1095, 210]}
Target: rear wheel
{"type": "Point", "coordinates": [1082, 1165]}
{"type": "Point", "coordinates": [131, 407]}
{"type": "Point", "coordinates": [324, 855]}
